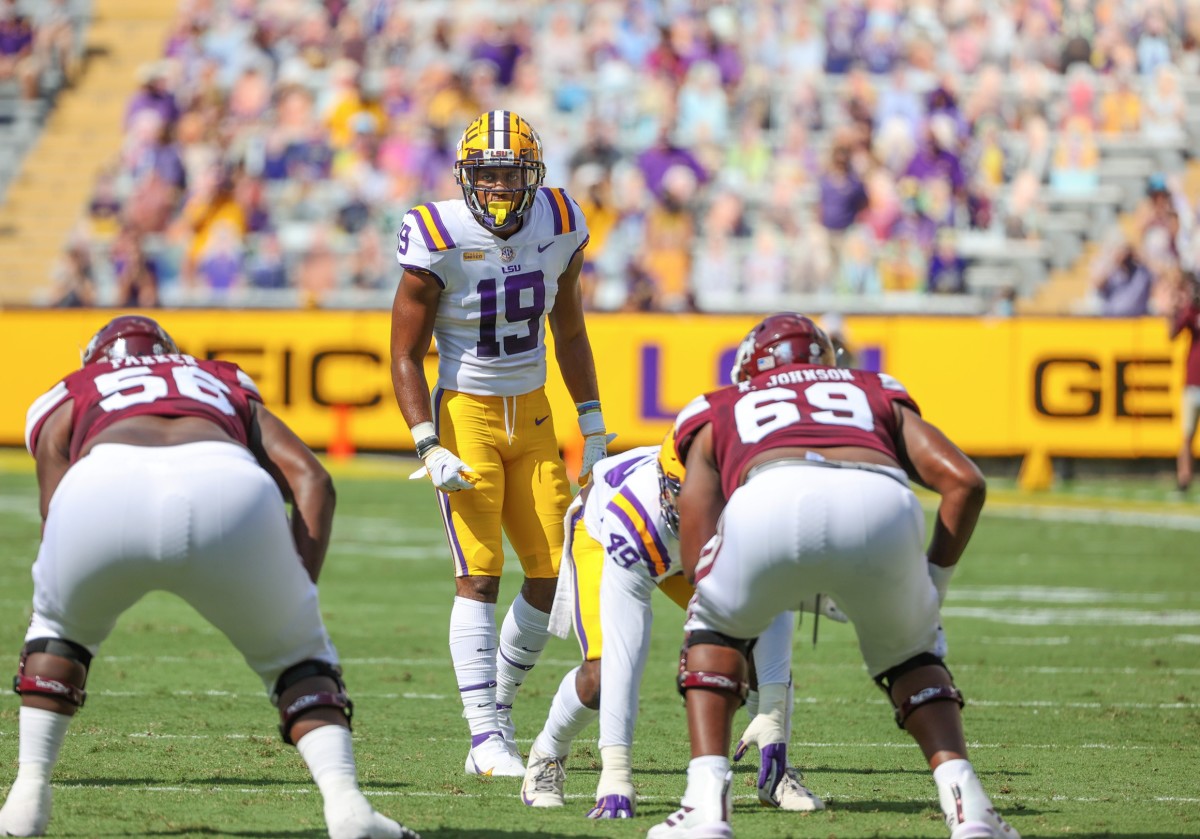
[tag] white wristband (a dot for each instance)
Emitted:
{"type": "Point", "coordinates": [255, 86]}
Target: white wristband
{"type": "Point", "coordinates": [941, 574]}
{"type": "Point", "coordinates": [422, 430]}
{"type": "Point", "coordinates": [591, 423]}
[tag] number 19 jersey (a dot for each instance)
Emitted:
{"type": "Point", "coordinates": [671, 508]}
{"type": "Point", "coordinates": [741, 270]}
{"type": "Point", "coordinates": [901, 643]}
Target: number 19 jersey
{"type": "Point", "coordinates": [495, 293]}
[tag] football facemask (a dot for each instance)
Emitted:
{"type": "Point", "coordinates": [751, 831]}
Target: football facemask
{"type": "Point", "coordinates": [497, 141]}
{"type": "Point", "coordinates": [671, 472]}
{"type": "Point", "coordinates": [128, 335]}
{"type": "Point", "coordinates": [786, 338]}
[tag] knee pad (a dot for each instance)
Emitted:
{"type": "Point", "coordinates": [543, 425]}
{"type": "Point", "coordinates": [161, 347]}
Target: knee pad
{"type": "Point", "coordinates": [934, 693]}
{"type": "Point", "coordinates": [301, 705]}
{"type": "Point", "coordinates": [39, 685]}
{"type": "Point", "coordinates": [728, 682]}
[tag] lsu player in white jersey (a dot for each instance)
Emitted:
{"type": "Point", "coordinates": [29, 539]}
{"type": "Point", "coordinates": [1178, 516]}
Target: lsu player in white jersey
{"type": "Point", "coordinates": [483, 275]}
{"type": "Point", "coordinates": [620, 547]}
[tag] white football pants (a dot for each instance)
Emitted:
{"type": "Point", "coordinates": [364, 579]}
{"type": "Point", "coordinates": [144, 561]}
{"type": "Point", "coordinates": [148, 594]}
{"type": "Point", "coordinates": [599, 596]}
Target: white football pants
{"type": "Point", "coordinates": [203, 521]}
{"type": "Point", "coordinates": [854, 534]}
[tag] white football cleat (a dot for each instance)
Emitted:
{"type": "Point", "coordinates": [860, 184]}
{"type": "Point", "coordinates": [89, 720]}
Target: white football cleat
{"type": "Point", "coordinates": [353, 817]}
{"type": "Point", "coordinates": [685, 823]}
{"type": "Point", "coordinates": [544, 780]}
{"type": "Point", "coordinates": [708, 820]}
{"type": "Point", "coordinates": [990, 826]}
{"type": "Point", "coordinates": [26, 812]}
{"type": "Point", "coordinates": [493, 756]}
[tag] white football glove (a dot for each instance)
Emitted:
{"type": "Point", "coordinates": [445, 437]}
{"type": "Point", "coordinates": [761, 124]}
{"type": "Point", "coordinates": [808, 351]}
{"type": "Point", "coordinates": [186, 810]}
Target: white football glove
{"type": "Point", "coordinates": [448, 473]}
{"type": "Point", "coordinates": [595, 449]}
{"type": "Point", "coordinates": [615, 796]}
{"type": "Point", "coordinates": [824, 603]}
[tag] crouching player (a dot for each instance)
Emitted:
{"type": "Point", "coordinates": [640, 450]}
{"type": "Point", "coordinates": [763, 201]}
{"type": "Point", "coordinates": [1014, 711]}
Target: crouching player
{"type": "Point", "coordinates": [158, 471]}
{"type": "Point", "coordinates": [619, 548]}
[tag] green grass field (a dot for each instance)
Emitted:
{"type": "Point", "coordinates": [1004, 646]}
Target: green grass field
{"type": "Point", "coordinates": [1074, 626]}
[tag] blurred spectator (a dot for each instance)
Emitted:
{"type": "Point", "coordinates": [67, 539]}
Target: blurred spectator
{"type": "Point", "coordinates": [669, 236]}
{"type": "Point", "coordinates": [212, 207]}
{"type": "Point", "coordinates": [1122, 281]}
{"type": "Point", "coordinates": [844, 24]}
{"type": "Point", "coordinates": [665, 155]}
{"type": "Point", "coordinates": [137, 277]}
{"type": "Point", "coordinates": [153, 95]}
{"type": "Point", "coordinates": [1024, 211]}
{"type": "Point", "coordinates": [1076, 157]}
{"type": "Point", "coordinates": [843, 195]}
{"type": "Point", "coordinates": [937, 155]}
{"type": "Point", "coordinates": [947, 267]}
{"type": "Point", "coordinates": [56, 37]}
{"type": "Point", "coordinates": [1164, 107]}
{"type": "Point", "coordinates": [265, 266]}
{"type": "Point", "coordinates": [1154, 45]}
{"type": "Point", "coordinates": [18, 60]}
{"type": "Point", "coordinates": [74, 284]}
{"type": "Point", "coordinates": [857, 272]}
{"type": "Point", "coordinates": [703, 106]}
{"type": "Point", "coordinates": [1121, 108]}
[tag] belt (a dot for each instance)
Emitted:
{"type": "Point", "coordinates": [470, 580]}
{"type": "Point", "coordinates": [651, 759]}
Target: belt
{"type": "Point", "coordinates": [889, 471]}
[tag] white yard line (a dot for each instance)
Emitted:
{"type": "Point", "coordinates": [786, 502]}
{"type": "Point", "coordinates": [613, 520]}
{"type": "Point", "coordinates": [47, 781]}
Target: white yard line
{"type": "Point", "coordinates": [385, 661]}
{"type": "Point", "coordinates": [800, 700]}
{"type": "Point", "coordinates": [207, 790]}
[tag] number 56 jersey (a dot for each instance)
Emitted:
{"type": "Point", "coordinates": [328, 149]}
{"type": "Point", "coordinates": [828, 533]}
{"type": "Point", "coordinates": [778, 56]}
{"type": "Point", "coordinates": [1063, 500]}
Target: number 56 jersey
{"type": "Point", "coordinates": [111, 390]}
{"type": "Point", "coordinates": [495, 292]}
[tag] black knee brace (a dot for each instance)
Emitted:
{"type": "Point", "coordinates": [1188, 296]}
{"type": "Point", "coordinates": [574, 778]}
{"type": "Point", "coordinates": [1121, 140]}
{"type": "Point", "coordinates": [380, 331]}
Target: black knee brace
{"type": "Point", "coordinates": [934, 693]}
{"type": "Point", "coordinates": [319, 699]}
{"type": "Point", "coordinates": [35, 684]}
{"type": "Point", "coordinates": [728, 682]}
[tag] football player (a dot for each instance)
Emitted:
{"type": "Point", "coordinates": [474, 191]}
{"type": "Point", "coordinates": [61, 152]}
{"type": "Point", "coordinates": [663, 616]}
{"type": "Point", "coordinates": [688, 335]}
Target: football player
{"type": "Point", "coordinates": [798, 476]}
{"type": "Point", "coordinates": [158, 471]}
{"type": "Point", "coordinates": [483, 275]}
{"type": "Point", "coordinates": [620, 547]}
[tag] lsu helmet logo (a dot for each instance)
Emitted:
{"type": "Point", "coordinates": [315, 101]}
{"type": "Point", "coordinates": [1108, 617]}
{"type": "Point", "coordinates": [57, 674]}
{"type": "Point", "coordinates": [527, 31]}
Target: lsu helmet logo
{"type": "Point", "coordinates": [499, 140]}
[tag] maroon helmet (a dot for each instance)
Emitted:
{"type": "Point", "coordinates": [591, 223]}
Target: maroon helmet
{"type": "Point", "coordinates": [128, 335]}
{"type": "Point", "coordinates": [785, 338]}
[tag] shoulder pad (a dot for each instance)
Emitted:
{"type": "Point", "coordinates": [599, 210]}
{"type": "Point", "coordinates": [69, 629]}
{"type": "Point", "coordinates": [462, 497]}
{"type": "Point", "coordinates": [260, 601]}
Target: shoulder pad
{"type": "Point", "coordinates": [427, 220]}
{"type": "Point", "coordinates": [564, 212]}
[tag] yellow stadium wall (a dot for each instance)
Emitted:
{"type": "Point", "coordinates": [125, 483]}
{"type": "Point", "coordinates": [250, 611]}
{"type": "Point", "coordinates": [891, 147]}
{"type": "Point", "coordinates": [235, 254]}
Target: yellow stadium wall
{"type": "Point", "coordinates": [1071, 387]}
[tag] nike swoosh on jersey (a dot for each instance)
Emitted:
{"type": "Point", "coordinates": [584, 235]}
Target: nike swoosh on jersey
{"type": "Point", "coordinates": [539, 422]}
{"type": "Point", "coordinates": [542, 248]}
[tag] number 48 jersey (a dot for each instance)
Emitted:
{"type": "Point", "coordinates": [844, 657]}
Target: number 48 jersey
{"type": "Point", "coordinates": [105, 392]}
{"type": "Point", "coordinates": [495, 292]}
{"type": "Point", "coordinates": [801, 405]}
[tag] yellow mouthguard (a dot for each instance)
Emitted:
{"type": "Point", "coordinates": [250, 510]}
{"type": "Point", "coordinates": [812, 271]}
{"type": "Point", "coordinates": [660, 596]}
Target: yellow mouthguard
{"type": "Point", "coordinates": [499, 211]}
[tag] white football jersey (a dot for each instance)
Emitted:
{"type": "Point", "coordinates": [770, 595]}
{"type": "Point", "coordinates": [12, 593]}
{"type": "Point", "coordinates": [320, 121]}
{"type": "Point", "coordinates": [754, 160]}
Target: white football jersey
{"type": "Point", "coordinates": [495, 292]}
{"type": "Point", "coordinates": [623, 513]}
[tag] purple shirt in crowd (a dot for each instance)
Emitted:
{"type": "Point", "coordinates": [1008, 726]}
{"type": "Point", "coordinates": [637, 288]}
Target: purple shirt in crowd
{"type": "Point", "coordinates": [842, 199]}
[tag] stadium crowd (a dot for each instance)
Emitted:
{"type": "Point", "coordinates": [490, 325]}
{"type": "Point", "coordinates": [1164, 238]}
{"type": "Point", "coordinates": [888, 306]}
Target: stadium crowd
{"type": "Point", "coordinates": [720, 151]}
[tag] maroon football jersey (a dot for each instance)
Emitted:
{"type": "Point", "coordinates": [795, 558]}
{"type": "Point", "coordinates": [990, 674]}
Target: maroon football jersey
{"type": "Point", "coordinates": [802, 405]}
{"type": "Point", "coordinates": [111, 390]}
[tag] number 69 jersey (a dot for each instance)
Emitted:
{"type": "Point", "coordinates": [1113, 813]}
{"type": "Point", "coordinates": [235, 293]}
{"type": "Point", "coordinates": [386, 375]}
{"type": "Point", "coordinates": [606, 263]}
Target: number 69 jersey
{"type": "Point", "coordinates": [108, 391]}
{"type": "Point", "coordinates": [801, 405]}
{"type": "Point", "coordinates": [495, 292]}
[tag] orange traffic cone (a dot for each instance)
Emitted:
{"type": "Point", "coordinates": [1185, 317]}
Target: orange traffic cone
{"type": "Point", "coordinates": [341, 443]}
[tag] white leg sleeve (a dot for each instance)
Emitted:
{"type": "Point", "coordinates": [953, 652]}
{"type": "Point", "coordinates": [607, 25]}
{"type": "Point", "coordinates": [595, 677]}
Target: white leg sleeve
{"type": "Point", "coordinates": [773, 652]}
{"type": "Point", "coordinates": [625, 620]}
